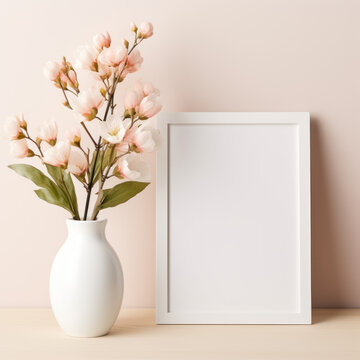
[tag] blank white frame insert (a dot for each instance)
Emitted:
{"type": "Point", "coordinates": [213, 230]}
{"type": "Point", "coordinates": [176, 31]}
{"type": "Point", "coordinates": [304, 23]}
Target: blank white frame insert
{"type": "Point", "coordinates": [233, 219]}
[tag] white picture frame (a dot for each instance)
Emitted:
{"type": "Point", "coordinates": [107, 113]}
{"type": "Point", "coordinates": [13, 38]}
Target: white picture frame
{"type": "Point", "coordinates": [233, 218]}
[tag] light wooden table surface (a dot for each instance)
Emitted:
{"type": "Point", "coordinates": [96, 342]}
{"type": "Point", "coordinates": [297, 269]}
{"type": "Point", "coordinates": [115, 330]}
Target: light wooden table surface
{"type": "Point", "coordinates": [34, 334]}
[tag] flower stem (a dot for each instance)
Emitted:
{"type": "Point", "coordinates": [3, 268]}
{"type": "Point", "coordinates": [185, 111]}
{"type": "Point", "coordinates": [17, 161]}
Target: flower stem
{"type": "Point", "coordinates": [110, 101]}
{"type": "Point", "coordinates": [88, 132]}
{"type": "Point", "coordinates": [66, 98]}
{"type": "Point", "coordinates": [101, 185]}
{"type": "Point", "coordinates": [91, 182]}
{"type": "Point", "coordinates": [32, 140]}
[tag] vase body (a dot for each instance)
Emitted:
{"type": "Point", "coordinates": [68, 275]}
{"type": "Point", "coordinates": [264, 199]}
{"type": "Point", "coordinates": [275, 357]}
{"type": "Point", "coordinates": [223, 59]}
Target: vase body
{"type": "Point", "coordinates": [86, 281]}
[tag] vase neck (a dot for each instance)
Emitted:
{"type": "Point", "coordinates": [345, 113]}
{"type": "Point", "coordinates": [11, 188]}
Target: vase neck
{"type": "Point", "coordinates": [86, 230]}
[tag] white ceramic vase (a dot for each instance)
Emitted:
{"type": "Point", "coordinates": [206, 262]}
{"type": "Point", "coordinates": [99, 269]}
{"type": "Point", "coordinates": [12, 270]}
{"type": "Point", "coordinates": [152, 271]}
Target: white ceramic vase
{"type": "Point", "coordinates": [86, 281]}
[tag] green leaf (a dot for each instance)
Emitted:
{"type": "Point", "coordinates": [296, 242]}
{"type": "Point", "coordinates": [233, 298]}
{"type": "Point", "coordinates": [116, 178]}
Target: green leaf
{"type": "Point", "coordinates": [105, 192]}
{"type": "Point", "coordinates": [71, 189]}
{"type": "Point", "coordinates": [109, 156]}
{"type": "Point", "coordinates": [65, 183]}
{"type": "Point", "coordinates": [33, 174]}
{"type": "Point", "coordinates": [55, 173]}
{"type": "Point", "coordinates": [121, 193]}
{"type": "Point", "coordinates": [52, 198]}
{"type": "Point", "coordinates": [50, 191]}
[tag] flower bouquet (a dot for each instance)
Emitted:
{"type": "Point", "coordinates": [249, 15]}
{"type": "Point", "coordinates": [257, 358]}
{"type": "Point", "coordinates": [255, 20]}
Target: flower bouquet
{"type": "Point", "coordinates": [124, 133]}
{"type": "Point", "coordinates": [86, 283]}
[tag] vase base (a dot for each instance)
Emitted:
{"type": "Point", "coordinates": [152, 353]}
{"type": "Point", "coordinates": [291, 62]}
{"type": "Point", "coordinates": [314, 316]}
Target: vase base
{"type": "Point", "coordinates": [78, 335]}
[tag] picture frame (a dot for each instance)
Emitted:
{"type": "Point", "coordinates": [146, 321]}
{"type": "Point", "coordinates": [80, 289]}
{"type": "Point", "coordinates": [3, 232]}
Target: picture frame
{"type": "Point", "coordinates": [233, 218]}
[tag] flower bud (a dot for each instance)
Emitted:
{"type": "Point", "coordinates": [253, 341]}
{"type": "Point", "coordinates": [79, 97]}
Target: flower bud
{"type": "Point", "coordinates": [102, 40]}
{"type": "Point", "coordinates": [19, 149]}
{"type": "Point", "coordinates": [64, 65]}
{"type": "Point", "coordinates": [88, 102]}
{"type": "Point", "coordinates": [48, 132]}
{"type": "Point", "coordinates": [103, 92]}
{"type": "Point", "coordinates": [131, 100]}
{"type": "Point", "coordinates": [125, 42]}
{"type": "Point", "coordinates": [13, 126]}
{"type": "Point", "coordinates": [74, 136]}
{"type": "Point", "coordinates": [149, 107]}
{"type": "Point", "coordinates": [38, 141]}
{"type": "Point", "coordinates": [52, 70]}
{"type": "Point", "coordinates": [133, 27]}
{"type": "Point", "coordinates": [92, 114]}
{"type": "Point", "coordinates": [22, 121]}
{"type": "Point", "coordinates": [58, 155]}
{"type": "Point", "coordinates": [73, 79]}
{"type": "Point", "coordinates": [66, 103]}
{"type": "Point", "coordinates": [78, 163]}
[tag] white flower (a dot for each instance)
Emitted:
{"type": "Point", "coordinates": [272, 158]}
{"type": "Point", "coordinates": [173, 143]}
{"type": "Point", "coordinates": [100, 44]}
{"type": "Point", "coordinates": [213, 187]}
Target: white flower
{"type": "Point", "coordinates": [131, 167]}
{"type": "Point", "coordinates": [114, 129]}
{"type": "Point", "coordinates": [77, 162]}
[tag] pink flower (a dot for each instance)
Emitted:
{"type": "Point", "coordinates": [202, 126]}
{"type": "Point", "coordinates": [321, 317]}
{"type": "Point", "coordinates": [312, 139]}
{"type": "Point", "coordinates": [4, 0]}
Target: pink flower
{"type": "Point", "coordinates": [145, 140]}
{"type": "Point", "coordinates": [103, 72]}
{"type": "Point", "coordinates": [145, 30]}
{"type": "Point", "coordinates": [87, 58]}
{"type": "Point", "coordinates": [72, 76]}
{"type": "Point", "coordinates": [52, 70]}
{"type": "Point", "coordinates": [74, 136]}
{"type": "Point", "coordinates": [58, 155]}
{"type": "Point", "coordinates": [48, 132]}
{"type": "Point", "coordinates": [71, 79]}
{"type": "Point", "coordinates": [127, 140]}
{"type": "Point", "coordinates": [64, 80]}
{"type": "Point", "coordinates": [131, 167]}
{"type": "Point", "coordinates": [88, 102]}
{"type": "Point", "coordinates": [13, 126]}
{"type": "Point", "coordinates": [134, 61]}
{"type": "Point", "coordinates": [102, 40]}
{"type": "Point", "coordinates": [149, 89]}
{"type": "Point", "coordinates": [131, 100]}
{"type": "Point", "coordinates": [114, 129]}
{"type": "Point", "coordinates": [77, 164]}
{"type": "Point", "coordinates": [145, 88]}
{"type": "Point", "coordinates": [113, 56]}
{"type": "Point", "coordinates": [19, 149]}
{"type": "Point", "coordinates": [149, 107]}
{"type": "Point", "coordinates": [122, 147]}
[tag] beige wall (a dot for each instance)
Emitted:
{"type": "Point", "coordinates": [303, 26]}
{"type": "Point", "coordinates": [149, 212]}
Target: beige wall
{"type": "Point", "coordinates": [248, 55]}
